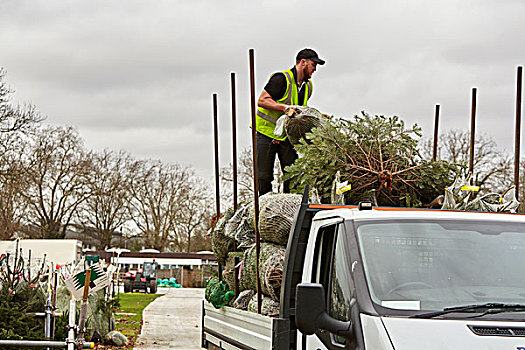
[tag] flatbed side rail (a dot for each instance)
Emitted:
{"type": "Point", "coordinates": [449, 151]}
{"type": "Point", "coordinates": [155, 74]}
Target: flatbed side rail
{"type": "Point", "coordinates": [230, 328]}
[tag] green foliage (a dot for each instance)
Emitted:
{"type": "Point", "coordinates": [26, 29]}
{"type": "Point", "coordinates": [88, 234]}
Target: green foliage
{"type": "Point", "coordinates": [377, 155]}
{"type": "Point", "coordinates": [14, 304]}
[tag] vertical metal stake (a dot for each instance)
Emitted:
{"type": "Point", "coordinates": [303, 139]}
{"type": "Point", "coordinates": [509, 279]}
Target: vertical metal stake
{"type": "Point", "coordinates": [436, 128]}
{"type": "Point", "coordinates": [234, 142]}
{"type": "Point", "coordinates": [234, 171]}
{"type": "Point", "coordinates": [472, 133]}
{"type": "Point", "coordinates": [54, 302]}
{"type": "Point", "coordinates": [255, 179]}
{"type": "Point", "coordinates": [216, 140]}
{"type": "Point", "coordinates": [217, 179]}
{"type": "Point", "coordinates": [83, 310]}
{"type": "Point", "coordinates": [71, 332]}
{"type": "Point", "coordinates": [29, 267]}
{"type": "Point", "coordinates": [518, 134]}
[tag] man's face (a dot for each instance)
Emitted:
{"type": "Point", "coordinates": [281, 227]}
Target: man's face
{"type": "Point", "coordinates": [310, 68]}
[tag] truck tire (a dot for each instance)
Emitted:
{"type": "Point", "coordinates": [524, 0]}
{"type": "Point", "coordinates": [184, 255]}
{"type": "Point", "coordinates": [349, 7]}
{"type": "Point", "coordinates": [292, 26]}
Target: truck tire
{"type": "Point", "coordinates": [127, 286]}
{"type": "Point", "coordinates": [153, 286]}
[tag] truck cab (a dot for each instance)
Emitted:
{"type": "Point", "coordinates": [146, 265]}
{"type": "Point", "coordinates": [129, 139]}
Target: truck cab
{"type": "Point", "coordinates": [390, 278]}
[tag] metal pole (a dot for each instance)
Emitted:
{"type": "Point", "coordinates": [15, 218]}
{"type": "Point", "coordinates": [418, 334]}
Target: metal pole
{"type": "Point", "coordinates": [41, 344]}
{"type": "Point", "coordinates": [234, 142]}
{"type": "Point", "coordinates": [71, 332]}
{"type": "Point", "coordinates": [49, 307]}
{"type": "Point", "coordinates": [217, 179]}
{"type": "Point", "coordinates": [234, 171]}
{"type": "Point", "coordinates": [54, 302]}
{"type": "Point", "coordinates": [47, 325]}
{"type": "Point", "coordinates": [518, 133]}
{"type": "Point", "coordinates": [83, 310]}
{"type": "Point", "coordinates": [16, 252]}
{"type": "Point", "coordinates": [29, 267]}
{"type": "Point", "coordinates": [255, 179]}
{"type": "Point", "coordinates": [472, 134]}
{"type": "Point", "coordinates": [436, 128]}
{"type": "Point", "coordinates": [216, 140]}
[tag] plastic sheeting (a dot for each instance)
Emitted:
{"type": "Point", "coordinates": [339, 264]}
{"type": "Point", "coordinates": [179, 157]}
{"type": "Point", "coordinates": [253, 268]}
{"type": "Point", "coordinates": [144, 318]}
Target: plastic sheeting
{"type": "Point", "coordinates": [458, 197]}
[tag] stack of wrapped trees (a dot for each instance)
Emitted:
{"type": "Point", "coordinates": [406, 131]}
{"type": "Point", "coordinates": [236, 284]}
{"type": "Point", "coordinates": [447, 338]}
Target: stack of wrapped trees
{"type": "Point", "coordinates": [234, 237]}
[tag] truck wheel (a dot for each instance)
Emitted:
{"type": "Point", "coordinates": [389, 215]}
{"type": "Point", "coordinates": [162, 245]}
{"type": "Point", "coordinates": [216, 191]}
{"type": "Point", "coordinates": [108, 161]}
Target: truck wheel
{"type": "Point", "coordinates": [153, 286]}
{"type": "Point", "coordinates": [127, 286]}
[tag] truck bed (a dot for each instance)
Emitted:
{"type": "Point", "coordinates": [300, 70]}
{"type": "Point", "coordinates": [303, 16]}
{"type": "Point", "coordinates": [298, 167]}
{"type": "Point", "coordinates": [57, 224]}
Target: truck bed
{"type": "Point", "coordinates": [231, 328]}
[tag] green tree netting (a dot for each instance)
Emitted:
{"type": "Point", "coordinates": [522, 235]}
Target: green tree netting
{"type": "Point", "coordinates": [217, 293]}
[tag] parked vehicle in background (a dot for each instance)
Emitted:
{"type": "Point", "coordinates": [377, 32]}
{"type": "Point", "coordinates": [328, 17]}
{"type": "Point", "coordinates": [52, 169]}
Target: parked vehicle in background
{"type": "Point", "coordinates": [143, 279]}
{"type": "Point", "coordinates": [389, 279]}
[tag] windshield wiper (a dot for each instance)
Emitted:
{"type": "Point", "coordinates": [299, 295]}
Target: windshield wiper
{"type": "Point", "coordinates": [488, 308]}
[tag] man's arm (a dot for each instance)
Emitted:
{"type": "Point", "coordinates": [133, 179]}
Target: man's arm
{"type": "Point", "coordinates": [266, 101]}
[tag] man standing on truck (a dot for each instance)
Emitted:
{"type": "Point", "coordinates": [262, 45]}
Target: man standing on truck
{"type": "Point", "coordinates": [290, 87]}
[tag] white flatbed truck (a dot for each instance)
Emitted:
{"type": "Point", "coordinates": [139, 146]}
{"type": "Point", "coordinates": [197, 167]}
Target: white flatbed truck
{"type": "Point", "coordinates": [389, 279]}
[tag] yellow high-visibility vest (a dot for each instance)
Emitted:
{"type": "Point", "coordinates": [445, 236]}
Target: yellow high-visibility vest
{"type": "Point", "coordinates": [266, 119]}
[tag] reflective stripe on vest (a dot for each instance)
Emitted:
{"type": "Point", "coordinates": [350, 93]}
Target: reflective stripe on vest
{"type": "Point", "coordinates": [265, 116]}
{"type": "Point", "coordinates": [289, 80]}
{"type": "Point", "coordinates": [266, 119]}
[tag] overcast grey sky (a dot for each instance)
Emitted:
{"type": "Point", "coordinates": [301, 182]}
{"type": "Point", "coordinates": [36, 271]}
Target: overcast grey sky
{"type": "Point", "coordinates": [139, 75]}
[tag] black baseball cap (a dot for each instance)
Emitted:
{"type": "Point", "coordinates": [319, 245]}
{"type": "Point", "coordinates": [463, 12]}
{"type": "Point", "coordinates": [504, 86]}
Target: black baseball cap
{"type": "Point", "coordinates": [309, 54]}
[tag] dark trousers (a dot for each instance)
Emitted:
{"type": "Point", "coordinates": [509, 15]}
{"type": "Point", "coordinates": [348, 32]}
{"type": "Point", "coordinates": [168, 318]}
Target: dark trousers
{"type": "Point", "coordinates": [267, 148]}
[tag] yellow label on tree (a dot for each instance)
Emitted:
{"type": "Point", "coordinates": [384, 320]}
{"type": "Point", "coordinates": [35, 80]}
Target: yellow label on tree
{"type": "Point", "coordinates": [343, 187]}
{"type": "Point", "coordinates": [470, 188]}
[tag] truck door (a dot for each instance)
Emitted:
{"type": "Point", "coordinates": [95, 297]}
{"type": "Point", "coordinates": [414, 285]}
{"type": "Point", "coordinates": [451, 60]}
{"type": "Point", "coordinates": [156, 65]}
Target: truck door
{"type": "Point", "coordinates": [328, 262]}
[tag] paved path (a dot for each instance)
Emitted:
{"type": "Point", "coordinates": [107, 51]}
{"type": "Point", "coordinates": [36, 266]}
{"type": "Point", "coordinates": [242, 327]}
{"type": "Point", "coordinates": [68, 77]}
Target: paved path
{"type": "Point", "coordinates": [173, 321]}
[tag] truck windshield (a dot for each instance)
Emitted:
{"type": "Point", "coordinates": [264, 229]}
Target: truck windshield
{"type": "Point", "coordinates": [432, 265]}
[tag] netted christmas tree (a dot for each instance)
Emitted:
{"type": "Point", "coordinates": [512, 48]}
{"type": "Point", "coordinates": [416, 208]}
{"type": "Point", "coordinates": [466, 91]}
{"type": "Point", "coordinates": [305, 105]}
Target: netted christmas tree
{"type": "Point", "coordinates": [379, 158]}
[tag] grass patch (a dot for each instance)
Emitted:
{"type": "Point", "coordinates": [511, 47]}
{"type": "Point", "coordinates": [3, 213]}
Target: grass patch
{"type": "Point", "coordinates": [130, 325]}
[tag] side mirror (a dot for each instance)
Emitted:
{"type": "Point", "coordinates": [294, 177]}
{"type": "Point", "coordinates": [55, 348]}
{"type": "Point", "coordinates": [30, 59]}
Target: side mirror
{"type": "Point", "coordinates": [311, 315]}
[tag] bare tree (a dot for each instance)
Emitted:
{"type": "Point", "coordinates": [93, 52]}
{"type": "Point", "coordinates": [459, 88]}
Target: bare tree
{"type": "Point", "coordinates": [194, 216]}
{"type": "Point", "coordinates": [106, 210]}
{"type": "Point", "coordinates": [156, 195]}
{"type": "Point", "coordinates": [57, 173]}
{"type": "Point", "coordinates": [15, 122]}
{"type": "Point", "coordinates": [12, 206]}
{"type": "Point", "coordinates": [244, 179]}
{"type": "Point", "coordinates": [14, 117]}
{"type": "Point", "coordinates": [492, 168]}
{"type": "Point", "coordinates": [201, 242]}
